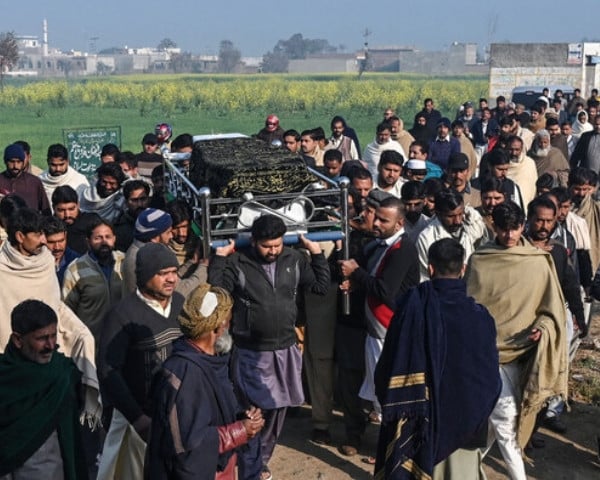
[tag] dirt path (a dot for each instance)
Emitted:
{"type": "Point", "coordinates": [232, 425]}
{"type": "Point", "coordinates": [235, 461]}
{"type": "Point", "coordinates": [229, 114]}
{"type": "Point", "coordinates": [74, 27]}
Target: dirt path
{"type": "Point", "coordinates": [568, 457]}
{"type": "Point", "coordinates": [572, 456]}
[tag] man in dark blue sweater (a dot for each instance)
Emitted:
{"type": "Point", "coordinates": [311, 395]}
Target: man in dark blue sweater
{"type": "Point", "coordinates": [444, 145]}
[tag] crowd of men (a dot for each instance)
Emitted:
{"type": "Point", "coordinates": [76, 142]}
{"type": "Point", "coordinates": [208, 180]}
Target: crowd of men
{"type": "Point", "coordinates": [473, 249]}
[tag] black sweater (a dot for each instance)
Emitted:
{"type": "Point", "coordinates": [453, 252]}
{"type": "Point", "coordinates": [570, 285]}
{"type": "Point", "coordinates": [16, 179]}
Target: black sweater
{"type": "Point", "coordinates": [135, 342]}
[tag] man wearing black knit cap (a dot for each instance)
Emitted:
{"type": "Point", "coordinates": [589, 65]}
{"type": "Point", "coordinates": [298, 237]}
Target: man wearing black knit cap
{"type": "Point", "coordinates": [151, 226]}
{"type": "Point", "coordinates": [136, 339]}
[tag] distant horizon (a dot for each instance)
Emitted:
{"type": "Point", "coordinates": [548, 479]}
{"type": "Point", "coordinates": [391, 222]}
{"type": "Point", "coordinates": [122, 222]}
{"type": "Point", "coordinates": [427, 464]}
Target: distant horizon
{"type": "Point", "coordinates": [255, 28]}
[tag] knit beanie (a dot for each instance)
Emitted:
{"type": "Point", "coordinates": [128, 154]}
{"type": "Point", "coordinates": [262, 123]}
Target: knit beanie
{"type": "Point", "coordinates": [151, 259]}
{"type": "Point", "coordinates": [14, 151]}
{"type": "Point", "coordinates": [151, 223]}
{"type": "Point", "coordinates": [204, 310]}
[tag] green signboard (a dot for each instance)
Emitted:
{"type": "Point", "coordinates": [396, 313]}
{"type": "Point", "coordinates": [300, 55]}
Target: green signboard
{"type": "Point", "coordinates": [85, 144]}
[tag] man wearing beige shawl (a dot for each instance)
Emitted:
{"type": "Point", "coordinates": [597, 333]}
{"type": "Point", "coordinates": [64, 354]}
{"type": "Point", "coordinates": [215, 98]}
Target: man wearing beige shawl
{"type": "Point", "coordinates": [531, 334]}
{"type": "Point", "coordinates": [582, 185]}
{"type": "Point", "coordinates": [522, 169]}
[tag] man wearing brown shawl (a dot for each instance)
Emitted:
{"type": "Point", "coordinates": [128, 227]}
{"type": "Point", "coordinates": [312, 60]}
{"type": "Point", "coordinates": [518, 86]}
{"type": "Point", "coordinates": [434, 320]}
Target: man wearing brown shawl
{"type": "Point", "coordinates": [530, 322]}
{"type": "Point", "coordinates": [582, 185]}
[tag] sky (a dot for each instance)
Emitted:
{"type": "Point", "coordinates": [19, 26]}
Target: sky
{"type": "Point", "coordinates": [255, 27]}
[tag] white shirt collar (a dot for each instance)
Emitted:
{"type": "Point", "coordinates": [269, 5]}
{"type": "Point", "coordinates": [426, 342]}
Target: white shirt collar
{"type": "Point", "coordinates": [155, 305]}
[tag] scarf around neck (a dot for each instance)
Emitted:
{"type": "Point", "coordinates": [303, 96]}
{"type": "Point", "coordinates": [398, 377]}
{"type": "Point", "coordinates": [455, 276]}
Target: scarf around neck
{"type": "Point", "coordinates": [35, 400]}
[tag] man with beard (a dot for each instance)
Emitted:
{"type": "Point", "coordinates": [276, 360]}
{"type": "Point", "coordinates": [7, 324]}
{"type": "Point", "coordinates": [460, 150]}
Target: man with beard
{"type": "Point", "coordinates": [291, 140]}
{"type": "Point", "coordinates": [492, 194]}
{"type": "Point", "coordinates": [413, 197]}
{"type": "Point", "coordinates": [184, 242]}
{"type": "Point", "coordinates": [309, 149]}
{"type": "Point", "coordinates": [587, 150]}
{"type": "Point", "coordinates": [457, 178]}
{"type": "Point", "coordinates": [466, 146]}
{"type": "Point", "coordinates": [432, 117]}
{"type": "Point", "coordinates": [521, 169]}
{"type": "Point", "coordinates": [264, 280]}
{"type": "Point", "coordinates": [452, 220]}
{"type": "Point", "coordinates": [499, 165]}
{"type": "Point", "coordinates": [187, 247]}
{"type": "Point", "coordinates": [16, 180]}
{"type": "Point", "coordinates": [382, 142]}
{"type": "Point", "coordinates": [272, 131]}
{"type": "Point", "coordinates": [500, 108]}
{"type": "Point", "coordinates": [339, 141]}
{"type": "Point", "coordinates": [530, 322]}
{"type": "Point", "coordinates": [541, 222]}
{"type": "Point", "coordinates": [56, 241]}
{"type": "Point", "coordinates": [573, 234]}
{"type": "Point", "coordinates": [389, 173]}
{"type": "Point", "coordinates": [422, 168]}
{"type": "Point", "coordinates": [137, 336]}
{"type": "Point", "coordinates": [419, 130]}
{"type": "Point", "coordinates": [391, 268]}
{"type": "Point", "coordinates": [361, 184]}
{"type": "Point", "coordinates": [466, 116]}
{"type": "Point", "coordinates": [105, 198]}
{"type": "Point", "coordinates": [29, 166]}
{"type": "Point", "coordinates": [194, 382]}
{"type": "Point", "coordinates": [582, 185]}
{"type": "Point", "coordinates": [65, 204]}
{"type": "Point", "coordinates": [444, 145]}
{"type": "Point", "coordinates": [557, 139]}
{"type": "Point", "coordinates": [137, 198]}
{"type": "Point", "coordinates": [510, 125]}
{"type": "Point", "coordinates": [93, 282]}
{"type": "Point", "coordinates": [151, 226]}
{"type": "Point", "coordinates": [399, 134]}
{"type": "Point", "coordinates": [548, 159]}
{"type": "Point", "coordinates": [60, 173]}
{"type": "Point", "coordinates": [40, 407]}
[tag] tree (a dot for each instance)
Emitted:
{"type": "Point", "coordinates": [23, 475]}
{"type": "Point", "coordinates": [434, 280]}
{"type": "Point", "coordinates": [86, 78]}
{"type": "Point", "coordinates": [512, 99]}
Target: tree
{"type": "Point", "coordinates": [166, 43]}
{"type": "Point", "coordinates": [113, 51]}
{"type": "Point", "coordinates": [9, 54]}
{"type": "Point", "coordinates": [229, 56]}
{"type": "Point", "coordinates": [65, 65]}
{"type": "Point", "coordinates": [294, 48]}
{"type": "Point", "coordinates": [297, 47]}
{"type": "Point", "coordinates": [103, 69]}
{"type": "Point", "coordinates": [181, 62]}
{"type": "Point", "coordinates": [275, 62]}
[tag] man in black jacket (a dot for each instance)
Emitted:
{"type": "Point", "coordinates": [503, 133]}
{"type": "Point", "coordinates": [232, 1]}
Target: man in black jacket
{"type": "Point", "coordinates": [266, 366]}
{"type": "Point", "coordinates": [391, 268]}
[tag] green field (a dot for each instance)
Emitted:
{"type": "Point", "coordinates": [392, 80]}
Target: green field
{"type": "Point", "coordinates": [39, 111]}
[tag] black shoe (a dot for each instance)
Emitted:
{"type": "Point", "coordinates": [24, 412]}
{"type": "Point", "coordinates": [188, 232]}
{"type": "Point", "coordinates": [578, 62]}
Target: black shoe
{"type": "Point", "coordinates": [537, 441]}
{"type": "Point", "coordinates": [555, 424]}
{"type": "Point", "coordinates": [321, 437]}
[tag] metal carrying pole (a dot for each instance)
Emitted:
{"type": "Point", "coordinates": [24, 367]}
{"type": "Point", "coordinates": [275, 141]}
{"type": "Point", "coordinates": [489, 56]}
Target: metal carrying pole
{"type": "Point", "coordinates": [344, 186]}
{"type": "Point", "coordinates": [204, 194]}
